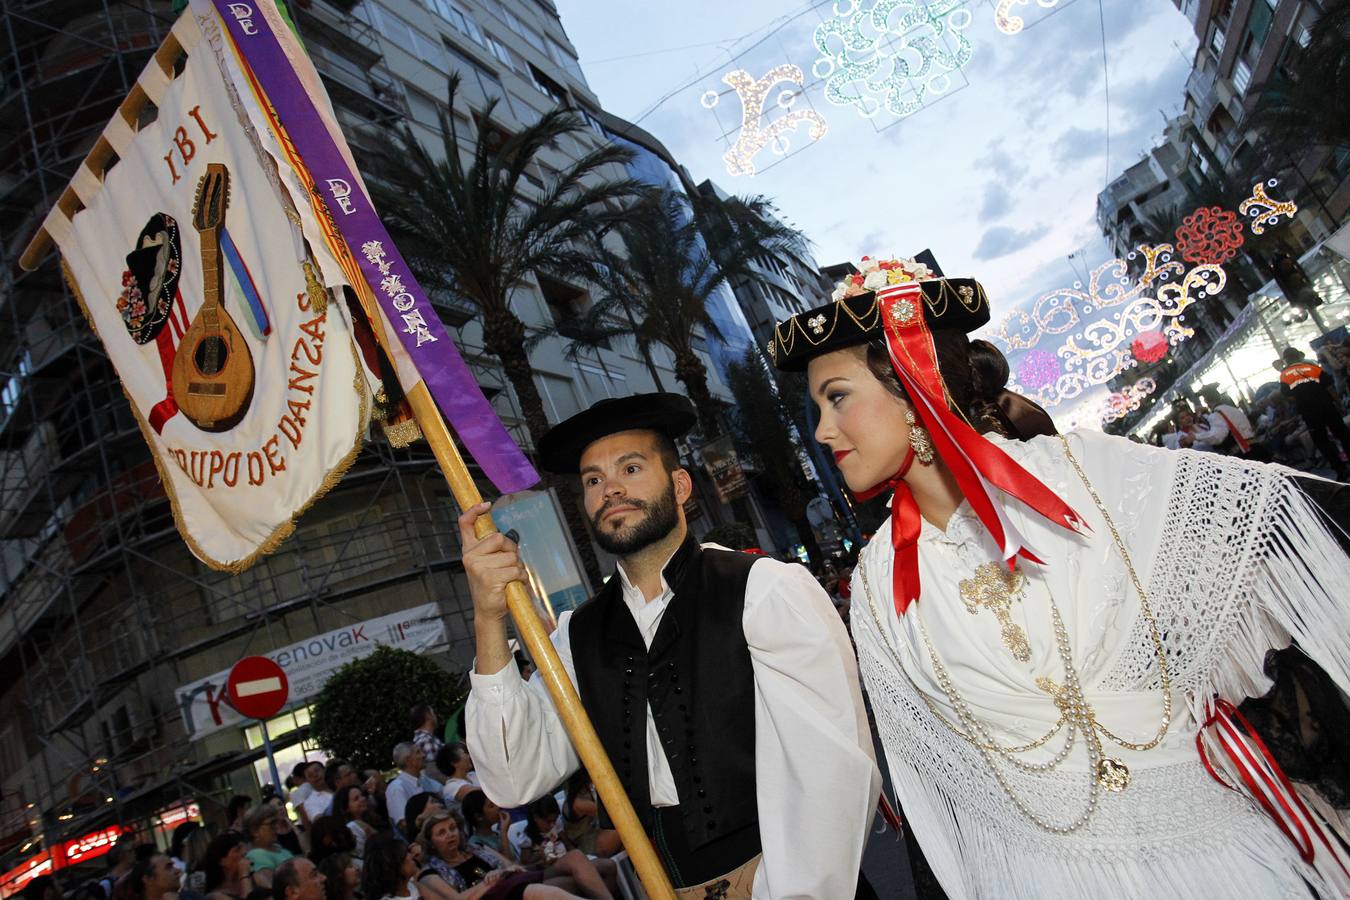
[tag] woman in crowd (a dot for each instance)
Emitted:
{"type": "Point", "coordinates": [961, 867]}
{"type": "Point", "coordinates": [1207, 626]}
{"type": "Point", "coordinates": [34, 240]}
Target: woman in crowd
{"type": "Point", "coordinates": [227, 869]}
{"type": "Point", "coordinates": [193, 857]}
{"type": "Point", "coordinates": [581, 819]}
{"type": "Point", "coordinates": [538, 838]}
{"type": "Point", "coordinates": [388, 869]}
{"type": "Point", "coordinates": [457, 871]}
{"type": "Point", "coordinates": [328, 835]}
{"type": "Point", "coordinates": [488, 825]}
{"type": "Point", "coordinates": [351, 806]}
{"type": "Point", "coordinates": [342, 876]}
{"type": "Point", "coordinates": [265, 852]}
{"type": "Point", "coordinates": [1044, 626]}
{"type": "Point", "coordinates": [460, 778]}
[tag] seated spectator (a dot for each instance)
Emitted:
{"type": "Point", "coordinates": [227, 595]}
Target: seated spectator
{"type": "Point", "coordinates": [338, 774]}
{"type": "Point", "coordinates": [318, 800]}
{"type": "Point", "coordinates": [455, 870]}
{"type": "Point", "coordinates": [329, 835]}
{"type": "Point", "coordinates": [581, 819]}
{"type": "Point", "coordinates": [297, 879]}
{"type": "Point", "coordinates": [341, 877]}
{"type": "Point", "coordinates": [419, 807]}
{"type": "Point", "coordinates": [537, 837]}
{"type": "Point", "coordinates": [456, 764]}
{"type": "Point", "coordinates": [487, 824]}
{"type": "Point", "coordinates": [409, 781]}
{"type": "Point", "coordinates": [350, 807]}
{"type": "Point", "coordinates": [149, 879]}
{"type": "Point", "coordinates": [265, 853]}
{"type": "Point", "coordinates": [236, 810]}
{"type": "Point", "coordinates": [227, 869]}
{"type": "Point", "coordinates": [193, 857]}
{"type": "Point", "coordinates": [388, 869]}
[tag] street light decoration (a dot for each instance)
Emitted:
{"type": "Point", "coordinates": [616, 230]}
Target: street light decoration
{"type": "Point", "coordinates": [1264, 210]}
{"type": "Point", "coordinates": [1007, 22]}
{"type": "Point", "coordinates": [1150, 347]}
{"type": "Point", "coordinates": [1211, 235]}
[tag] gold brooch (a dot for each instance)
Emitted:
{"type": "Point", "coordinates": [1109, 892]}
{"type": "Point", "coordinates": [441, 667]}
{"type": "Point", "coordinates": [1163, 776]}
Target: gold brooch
{"type": "Point", "coordinates": [993, 588]}
{"type": "Point", "coordinates": [773, 349]}
{"type": "Point", "coordinates": [902, 312]}
{"type": "Point", "coordinates": [817, 324]}
{"type": "Point", "coordinates": [967, 294]}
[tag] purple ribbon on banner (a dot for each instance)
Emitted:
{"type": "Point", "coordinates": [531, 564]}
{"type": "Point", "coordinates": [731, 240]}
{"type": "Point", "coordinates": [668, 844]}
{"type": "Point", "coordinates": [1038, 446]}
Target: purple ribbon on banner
{"type": "Point", "coordinates": [434, 354]}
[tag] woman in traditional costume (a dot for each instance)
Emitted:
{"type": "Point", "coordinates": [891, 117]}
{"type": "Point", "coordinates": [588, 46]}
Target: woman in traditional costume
{"type": "Point", "coordinates": [1053, 632]}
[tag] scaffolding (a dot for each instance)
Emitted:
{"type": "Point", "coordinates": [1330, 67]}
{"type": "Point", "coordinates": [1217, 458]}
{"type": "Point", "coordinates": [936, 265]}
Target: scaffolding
{"type": "Point", "coordinates": [103, 611]}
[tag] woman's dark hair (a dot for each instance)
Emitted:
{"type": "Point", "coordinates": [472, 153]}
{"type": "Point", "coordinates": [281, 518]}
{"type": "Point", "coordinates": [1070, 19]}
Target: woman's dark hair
{"type": "Point", "coordinates": [449, 755]}
{"type": "Point", "coordinates": [418, 714]}
{"type": "Point", "coordinates": [472, 807]}
{"type": "Point", "coordinates": [342, 802]}
{"type": "Point", "coordinates": [542, 808]}
{"type": "Point", "coordinates": [382, 868]}
{"type": "Point", "coordinates": [180, 836]}
{"type": "Point", "coordinates": [237, 803]}
{"type": "Point", "coordinates": [417, 804]}
{"type": "Point", "coordinates": [213, 866]}
{"type": "Point", "coordinates": [327, 835]}
{"type": "Point", "coordinates": [953, 350]}
{"type": "Point", "coordinates": [334, 870]}
{"type": "Point", "coordinates": [131, 886]}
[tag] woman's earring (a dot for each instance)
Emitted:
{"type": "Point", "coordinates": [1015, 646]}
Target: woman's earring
{"type": "Point", "coordinates": [919, 439]}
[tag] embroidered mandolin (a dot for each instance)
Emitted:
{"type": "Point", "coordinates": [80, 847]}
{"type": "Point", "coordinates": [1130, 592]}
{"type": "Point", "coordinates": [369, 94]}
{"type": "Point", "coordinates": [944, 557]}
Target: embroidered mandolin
{"type": "Point", "coordinates": [213, 369]}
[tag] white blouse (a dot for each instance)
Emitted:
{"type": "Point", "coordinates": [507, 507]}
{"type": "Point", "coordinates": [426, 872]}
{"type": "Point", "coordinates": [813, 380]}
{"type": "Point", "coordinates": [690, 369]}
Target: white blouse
{"type": "Point", "coordinates": [1200, 532]}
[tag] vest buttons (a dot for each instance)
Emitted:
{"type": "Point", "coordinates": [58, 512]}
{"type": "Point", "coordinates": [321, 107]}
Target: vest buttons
{"type": "Point", "coordinates": [702, 792]}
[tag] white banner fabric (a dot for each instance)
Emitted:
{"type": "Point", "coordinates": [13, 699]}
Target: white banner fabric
{"type": "Point", "coordinates": [191, 265]}
{"type": "Point", "coordinates": [309, 662]}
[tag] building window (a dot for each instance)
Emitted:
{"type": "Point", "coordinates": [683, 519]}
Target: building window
{"type": "Point", "coordinates": [559, 395]}
{"type": "Point", "coordinates": [565, 304]}
{"type": "Point", "coordinates": [458, 18]}
{"type": "Point", "coordinates": [1216, 39]}
{"type": "Point", "coordinates": [534, 38]}
{"type": "Point", "coordinates": [601, 382]}
{"type": "Point", "coordinates": [1242, 76]}
{"type": "Point", "coordinates": [485, 78]}
{"type": "Point", "coordinates": [510, 58]}
{"type": "Point", "coordinates": [549, 86]}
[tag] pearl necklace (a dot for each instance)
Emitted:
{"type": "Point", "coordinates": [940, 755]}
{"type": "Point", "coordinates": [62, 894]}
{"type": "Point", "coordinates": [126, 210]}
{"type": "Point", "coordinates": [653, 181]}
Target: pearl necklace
{"type": "Point", "coordinates": [1075, 711]}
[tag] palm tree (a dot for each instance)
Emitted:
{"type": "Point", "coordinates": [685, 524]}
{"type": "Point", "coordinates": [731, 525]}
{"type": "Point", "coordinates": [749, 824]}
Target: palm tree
{"type": "Point", "coordinates": [477, 231]}
{"type": "Point", "coordinates": [1305, 106]}
{"type": "Point", "coordinates": [673, 256]}
{"type": "Point", "coordinates": [765, 429]}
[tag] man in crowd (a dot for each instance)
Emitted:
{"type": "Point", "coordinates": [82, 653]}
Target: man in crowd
{"type": "Point", "coordinates": [297, 879]}
{"type": "Point", "coordinates": [1225, 429]}
{"type": "Point", "coordinates": [425, 722]}
{"type": "Point", "coordinates": [338, 775]}
{"type": "Point", "coordinates": [409, 781]}
{"type": "Point", "coordinates": [721, 684]}
{"type": "Point", "coordinates": [1307, 384]}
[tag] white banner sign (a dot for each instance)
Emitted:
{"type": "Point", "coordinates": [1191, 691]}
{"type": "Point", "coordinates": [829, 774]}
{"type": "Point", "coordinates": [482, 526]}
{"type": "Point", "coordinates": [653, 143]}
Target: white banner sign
{"type": "Point", "coordinates": [190, 261]}
{"type": "Point", "coordinates": [309, 662]}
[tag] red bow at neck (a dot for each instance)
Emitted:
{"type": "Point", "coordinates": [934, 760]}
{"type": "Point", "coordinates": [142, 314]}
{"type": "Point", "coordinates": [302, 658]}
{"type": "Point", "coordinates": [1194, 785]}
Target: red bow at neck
{"type": "Point", "coordinates": [978, 466]}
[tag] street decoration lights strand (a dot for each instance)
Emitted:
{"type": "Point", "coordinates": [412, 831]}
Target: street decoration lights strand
{"type": "Point", "coordinates": [1007, 22]}
{"type": "Point", "coordinates": [1121, 403]}
{"type": "Point", "coordinates": [891, 56]}
{"type": "Point", "coordinates": [1210, 234]}
{"type": "Point", "coordinates": [1092, 351]}
{"type": "Point", "coordinates": [755, 136]}
{"type": "Point", "coordinates": [1263, 210]}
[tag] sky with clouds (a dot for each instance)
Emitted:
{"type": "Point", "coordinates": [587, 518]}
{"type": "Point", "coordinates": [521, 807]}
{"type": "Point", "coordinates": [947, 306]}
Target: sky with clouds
{"type": "Point", "coordinates": [998, 175]}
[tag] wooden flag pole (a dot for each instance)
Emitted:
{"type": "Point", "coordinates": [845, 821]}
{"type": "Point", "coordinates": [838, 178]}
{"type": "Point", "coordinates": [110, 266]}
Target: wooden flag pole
{"type": "Point", "coordinates": [429, 419]}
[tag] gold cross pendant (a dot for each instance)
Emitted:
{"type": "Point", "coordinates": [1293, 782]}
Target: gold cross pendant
{"type": "Point", "coordinates": [993, 588]}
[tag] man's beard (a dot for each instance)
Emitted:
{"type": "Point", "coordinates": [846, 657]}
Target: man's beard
{"type": "Point", "coordinates": [660, 520]}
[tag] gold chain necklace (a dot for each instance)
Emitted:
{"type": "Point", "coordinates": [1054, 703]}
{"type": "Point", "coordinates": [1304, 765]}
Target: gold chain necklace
{"type": "Point", "coordinates": [1074, 710]}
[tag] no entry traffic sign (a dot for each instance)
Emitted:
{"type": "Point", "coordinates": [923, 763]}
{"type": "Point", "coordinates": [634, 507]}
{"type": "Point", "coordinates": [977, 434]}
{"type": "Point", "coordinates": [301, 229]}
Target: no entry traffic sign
{"type": "Point", "coordinates": [257, 687]}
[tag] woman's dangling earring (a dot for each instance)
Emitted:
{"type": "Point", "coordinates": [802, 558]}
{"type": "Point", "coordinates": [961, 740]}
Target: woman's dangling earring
{"type": "Point", "coordinates": [919, 439]}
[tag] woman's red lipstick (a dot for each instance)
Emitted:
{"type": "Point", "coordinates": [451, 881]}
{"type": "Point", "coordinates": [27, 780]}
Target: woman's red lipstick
{"type": "Point", "coordinates": [840, 454]}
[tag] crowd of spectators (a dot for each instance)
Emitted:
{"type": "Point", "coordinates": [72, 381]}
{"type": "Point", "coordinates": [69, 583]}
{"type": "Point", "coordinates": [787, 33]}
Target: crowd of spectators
{"type": "Point", "coordinates": [340, 834]}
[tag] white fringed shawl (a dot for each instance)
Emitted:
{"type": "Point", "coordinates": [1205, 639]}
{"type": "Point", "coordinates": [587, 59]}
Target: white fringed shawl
{"type": "Point", "coordinates": [1235, 561]}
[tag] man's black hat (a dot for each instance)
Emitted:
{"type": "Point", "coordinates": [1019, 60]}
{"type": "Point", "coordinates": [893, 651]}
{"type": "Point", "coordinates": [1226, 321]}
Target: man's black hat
{"type": "Point", "coordinates": [561, 447]}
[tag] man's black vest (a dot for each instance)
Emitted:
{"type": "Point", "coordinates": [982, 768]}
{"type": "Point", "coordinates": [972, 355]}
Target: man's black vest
{"type": "Point", "coordinates": [698, 681]}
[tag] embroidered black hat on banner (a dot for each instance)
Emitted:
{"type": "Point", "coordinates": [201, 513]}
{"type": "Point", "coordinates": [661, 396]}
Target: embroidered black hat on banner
{"type": "Point", "coordinates": [561, 446]}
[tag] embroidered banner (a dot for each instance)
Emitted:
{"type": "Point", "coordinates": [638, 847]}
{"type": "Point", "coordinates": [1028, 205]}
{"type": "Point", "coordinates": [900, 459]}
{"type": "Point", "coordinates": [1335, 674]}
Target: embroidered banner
{"type": "Point", "coordinates": [275, 67]}
{"type": "Point", "coordinates": [190, 262]}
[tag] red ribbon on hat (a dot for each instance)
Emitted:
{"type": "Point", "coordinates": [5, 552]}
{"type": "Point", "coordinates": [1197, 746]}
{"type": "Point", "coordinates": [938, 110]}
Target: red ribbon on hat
{"type": "Point", "coordinates": [977, 464]}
